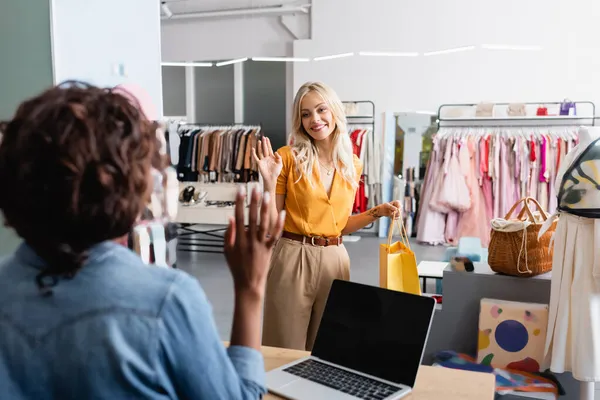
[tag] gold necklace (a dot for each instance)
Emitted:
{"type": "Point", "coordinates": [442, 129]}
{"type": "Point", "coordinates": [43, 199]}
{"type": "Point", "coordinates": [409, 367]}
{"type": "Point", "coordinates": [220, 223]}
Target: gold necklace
{"type": "Point", "coordinates": [329, 171]}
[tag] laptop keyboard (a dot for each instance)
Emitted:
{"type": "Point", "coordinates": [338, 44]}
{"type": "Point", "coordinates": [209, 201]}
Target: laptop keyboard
{"type": "Point", "coordinates": [342, 380]}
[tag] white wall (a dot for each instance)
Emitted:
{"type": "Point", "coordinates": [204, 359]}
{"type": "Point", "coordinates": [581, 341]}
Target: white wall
{"type": "Point", "coordinates": [567, 67]}
{"type": "Point", "coordinates": [197, 40]}
{"type": "Point", "coordinates": [90, 37]}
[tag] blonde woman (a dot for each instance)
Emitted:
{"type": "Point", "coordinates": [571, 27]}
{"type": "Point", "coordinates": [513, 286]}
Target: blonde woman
{"type": "Point", "coordinates": [314, 181]}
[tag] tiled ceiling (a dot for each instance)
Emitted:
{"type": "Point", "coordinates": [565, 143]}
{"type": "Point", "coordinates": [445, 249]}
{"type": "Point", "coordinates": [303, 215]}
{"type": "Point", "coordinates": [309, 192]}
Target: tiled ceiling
{"type": "Point", "coordinates": [188, 6]}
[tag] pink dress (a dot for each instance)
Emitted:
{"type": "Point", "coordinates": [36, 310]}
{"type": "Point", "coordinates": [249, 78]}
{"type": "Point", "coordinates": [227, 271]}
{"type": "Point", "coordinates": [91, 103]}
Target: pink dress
{"type": "Point", "coordinates": [495, 174]}
{"type": "Point", "coordinates": [431, 224]}
{"type": "Point", "coordinates": [451, 233]}
{"type": "Point", "coordinates": [552, 201]}
{"type": "Point", "coordinates": [506, 178]}
{"type": "Point", "coordinates": [486, 182]}
{"type": "Point", "coordinates": [534, 168]}
{"type": "Point", "coordinates": [475, 221]}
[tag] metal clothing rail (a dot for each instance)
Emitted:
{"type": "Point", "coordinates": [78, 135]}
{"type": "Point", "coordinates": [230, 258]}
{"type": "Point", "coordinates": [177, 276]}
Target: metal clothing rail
{"type": "Point", "coordinates": [191, 238]}
{"type": "Point", "coordinates": [533, 120]}
{"type": "Point", "coordinates": [357, 119]}
{"type": "Point", "coordinates": [363, 119]}
{"type": "Point", "coordinates": [200, 241]}
{"type": "Point", "coordinates": [225, 125]}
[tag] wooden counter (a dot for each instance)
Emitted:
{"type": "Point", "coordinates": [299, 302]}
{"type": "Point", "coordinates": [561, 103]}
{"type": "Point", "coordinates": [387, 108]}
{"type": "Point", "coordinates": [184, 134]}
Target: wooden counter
{"type": "Point", "coordinates": [433, 383]}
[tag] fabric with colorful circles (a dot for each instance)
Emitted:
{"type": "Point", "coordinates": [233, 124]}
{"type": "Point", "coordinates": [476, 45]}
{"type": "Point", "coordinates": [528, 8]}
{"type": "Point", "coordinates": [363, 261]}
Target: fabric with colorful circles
{"type": "Point", "coordinates": [512, 334]}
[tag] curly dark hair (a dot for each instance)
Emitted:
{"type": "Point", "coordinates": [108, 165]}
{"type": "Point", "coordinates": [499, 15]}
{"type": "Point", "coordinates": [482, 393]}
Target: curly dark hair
{"type": "Point", "coordinates": [75, 166]}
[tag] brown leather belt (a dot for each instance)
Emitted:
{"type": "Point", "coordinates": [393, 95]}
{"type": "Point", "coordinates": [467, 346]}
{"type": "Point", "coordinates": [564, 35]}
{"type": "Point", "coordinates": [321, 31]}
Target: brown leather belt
{"type": "Point", "coordinates": [314, 240]}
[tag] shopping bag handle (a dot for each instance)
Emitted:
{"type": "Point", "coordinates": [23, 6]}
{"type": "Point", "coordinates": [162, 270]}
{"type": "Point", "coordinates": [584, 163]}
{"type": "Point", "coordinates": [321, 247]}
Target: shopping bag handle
{"type": "Point", "coordinates": [525, 207]}
{"type": "Point", "coordinates": [401, 231]}
{"type": "Point", "coordinates": [538, 206]}
{"type": "Point", "coordinates": [526, 201]}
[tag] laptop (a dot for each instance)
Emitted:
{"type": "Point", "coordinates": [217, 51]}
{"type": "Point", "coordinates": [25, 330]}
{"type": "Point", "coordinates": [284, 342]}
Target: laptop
{"type": "Point", "coordinates": [369, 346]}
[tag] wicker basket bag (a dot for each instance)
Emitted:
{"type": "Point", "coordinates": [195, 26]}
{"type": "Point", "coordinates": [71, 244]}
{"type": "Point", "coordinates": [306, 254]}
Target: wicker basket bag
{"type": "Point", "coordinates": [514, 247]}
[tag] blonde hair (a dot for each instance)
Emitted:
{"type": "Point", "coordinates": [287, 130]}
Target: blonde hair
{"type": "Point", "coordinates": [303, 146]}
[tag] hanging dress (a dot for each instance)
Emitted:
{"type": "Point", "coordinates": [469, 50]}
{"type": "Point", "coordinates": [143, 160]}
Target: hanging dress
{"type": "Point", "coordinates": [486, 181]}
{"type": "Point", "coordinates": [573, 335]}
{"type": "Point", "coordinates": [431, 224]}
{"type": "Point", "coordinates": [474, 222]}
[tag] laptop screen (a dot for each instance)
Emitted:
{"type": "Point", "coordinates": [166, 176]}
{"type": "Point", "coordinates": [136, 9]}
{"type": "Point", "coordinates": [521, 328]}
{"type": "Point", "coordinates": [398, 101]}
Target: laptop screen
{"type": "Point", "coordinates": [375, 331]}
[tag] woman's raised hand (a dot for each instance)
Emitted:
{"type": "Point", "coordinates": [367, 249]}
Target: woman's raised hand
{"type": "Point", "coordinates": [248, 251]}
{"type": "Point", "coordinates": [269, 163]}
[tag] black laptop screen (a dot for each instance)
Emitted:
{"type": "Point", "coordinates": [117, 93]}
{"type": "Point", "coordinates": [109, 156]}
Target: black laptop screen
{"type": "Point", "coordinates": [374, 331]}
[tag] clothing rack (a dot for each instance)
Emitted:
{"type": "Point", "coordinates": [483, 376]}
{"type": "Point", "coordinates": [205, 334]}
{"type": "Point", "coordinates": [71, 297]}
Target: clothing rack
{"type": "Point", "coordinates": [215, 159]}
{"type": "Point", "coordinates": [215, 152]}
{"type": "Point", "coordinates": [502, 163]}
{"type": "Point", "coordinates": [525, 152]}
{"type": "Point", "coordinates": [360, 114]}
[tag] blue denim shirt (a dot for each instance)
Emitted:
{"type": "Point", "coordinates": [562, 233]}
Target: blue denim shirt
{"type": "Point", "coordinates": [118, 330]}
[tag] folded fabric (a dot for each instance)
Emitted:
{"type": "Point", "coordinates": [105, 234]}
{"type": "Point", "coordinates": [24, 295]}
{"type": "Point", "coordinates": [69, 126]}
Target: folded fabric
{"type": "Point", "coordinates": [507, 381]}
{"type": "Point", "coordinates": [509, 225]}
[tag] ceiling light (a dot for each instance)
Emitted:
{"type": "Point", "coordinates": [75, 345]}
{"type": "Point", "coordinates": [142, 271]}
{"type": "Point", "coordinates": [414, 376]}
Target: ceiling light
{"type": "Point", "coordinates": [229, 62]}
{"type": "Point", "coordinates": [283, 59]}
{"type": "Point", "coordinates": [510, 47]}
{"type": "Point", "coordinates": [333, 56]}
{"type": "Point", "coordinates": [186, 64]}
{"type": "Point", "coordinates": [448, 51]}
{"type": "Point", "coordinates": [388, 54]}
{"type": "Point", "coordinates": [165, 9]}
{"type": "Point", "coordinates": [426, 112]}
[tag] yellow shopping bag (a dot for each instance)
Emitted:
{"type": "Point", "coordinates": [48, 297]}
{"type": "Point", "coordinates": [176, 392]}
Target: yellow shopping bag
{"type": "Point", "coordinates": [398, 264]}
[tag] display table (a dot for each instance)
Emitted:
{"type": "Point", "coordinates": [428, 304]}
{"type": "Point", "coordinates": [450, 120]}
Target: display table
{"type": "Point", "coordinates": [433, 383]}
{"type": "Point", "coordinates": [455, 326]}
{"type": "Point", "coordinates": [431, 269]}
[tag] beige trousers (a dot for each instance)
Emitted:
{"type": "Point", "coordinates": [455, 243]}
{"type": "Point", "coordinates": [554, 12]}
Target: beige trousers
{"type": "Point", "coordinates": [300, 277]}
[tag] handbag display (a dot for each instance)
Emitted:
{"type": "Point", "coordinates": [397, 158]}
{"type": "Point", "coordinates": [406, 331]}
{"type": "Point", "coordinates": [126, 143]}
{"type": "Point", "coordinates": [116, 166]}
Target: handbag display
{"type": "Point", "coordinates": [516, 110]}
{"type": "Point", "coordinates": [398, 263]}
{"type": "Point", "coordinates": [567, 107]}
{"type": "Point", "coordinates": [514, 247]}
{"type": "Point", "coordinates": [484, 110]}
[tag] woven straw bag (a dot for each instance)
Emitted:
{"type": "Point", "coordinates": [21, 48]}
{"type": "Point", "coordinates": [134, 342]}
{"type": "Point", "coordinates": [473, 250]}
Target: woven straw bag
{"type": "Point", "coordinates": [514, 247]}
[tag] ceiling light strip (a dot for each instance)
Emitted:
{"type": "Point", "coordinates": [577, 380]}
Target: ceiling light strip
{"type": "Point", "coordinates": [449, 51]}
{"type": "Point", "coordinates": [510, 47]}
{"type": "Point", "coordinates": [186, 64]}
{"type": "Point", "coordinates": [388, 54]}
{"type": "Point", "coordinates": [281, 59]}
{"type": "Point", "coordinates": [333, 56]}
{"type": "Point", "coordinates": [426, 112]}
{"type": "Point", "coordinates": [229, 62]}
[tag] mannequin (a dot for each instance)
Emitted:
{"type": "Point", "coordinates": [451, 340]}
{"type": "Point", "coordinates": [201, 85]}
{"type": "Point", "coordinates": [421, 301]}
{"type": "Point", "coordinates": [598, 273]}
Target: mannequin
{"type": "Point", "coordinates": [574, 312]}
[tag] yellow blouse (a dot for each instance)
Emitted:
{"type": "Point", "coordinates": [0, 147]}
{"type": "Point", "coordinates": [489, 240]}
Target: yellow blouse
{"type": "Point", "coordinates": [309, 211]}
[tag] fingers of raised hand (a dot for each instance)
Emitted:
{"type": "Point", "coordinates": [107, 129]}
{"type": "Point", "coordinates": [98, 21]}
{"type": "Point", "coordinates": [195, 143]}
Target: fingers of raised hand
{"type": "Point", "coordinates": [265, 220]}
{"type": "Point", "coordinates": [269, 147]}
{"type": "Point", "coordinates": [265, 146]}
{"type": "Point", "coordinates": [260, 147]}
{"type": "Point", "coordinates": [230, 234]}
{"type": "Point", "coordinates": [240, 205]}
{"type": "Point", "coordinates": [255, 156]}
{"type": "Point", "coordinates": [253, 214]}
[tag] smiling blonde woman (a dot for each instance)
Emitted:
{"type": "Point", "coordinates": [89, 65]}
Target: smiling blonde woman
{"type": "Point", "coordinates": [314, 181]}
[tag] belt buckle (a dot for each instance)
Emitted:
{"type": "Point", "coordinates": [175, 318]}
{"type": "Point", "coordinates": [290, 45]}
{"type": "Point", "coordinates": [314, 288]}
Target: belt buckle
{"type": "Point", "coordinates": [312, 240]}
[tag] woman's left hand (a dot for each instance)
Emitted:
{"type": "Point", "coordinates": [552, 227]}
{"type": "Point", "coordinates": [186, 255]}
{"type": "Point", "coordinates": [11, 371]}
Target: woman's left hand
{"type": "Point", "coordinates": [391, 209]}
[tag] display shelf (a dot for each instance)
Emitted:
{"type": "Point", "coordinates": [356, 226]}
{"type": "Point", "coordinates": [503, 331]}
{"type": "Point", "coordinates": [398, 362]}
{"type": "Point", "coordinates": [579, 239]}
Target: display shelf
{"type": "Point", "coordinates": [455, 326]}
